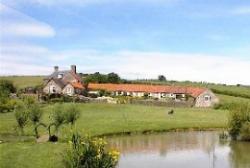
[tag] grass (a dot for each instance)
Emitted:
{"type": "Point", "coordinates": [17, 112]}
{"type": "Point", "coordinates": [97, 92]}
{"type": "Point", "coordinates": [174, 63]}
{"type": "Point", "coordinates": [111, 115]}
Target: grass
{"type": "Point", "coordinates": [31, 155]}
{"type": "Point", "coordinates": [98, 119]}
{"type": "Point", "coordinates": [101, 119]}
{"type": "Point", "coordinates": [24, 81]}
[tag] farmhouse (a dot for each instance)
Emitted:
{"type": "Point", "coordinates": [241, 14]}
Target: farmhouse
{"type": "Point", "coordinates": [63, 82]}
{"type": "Point", "coordinates": [202, 97]}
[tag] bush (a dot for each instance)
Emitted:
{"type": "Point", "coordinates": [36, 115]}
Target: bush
{"type": "Point", "coordinates": [7, 105]}
{"type": "Point", "coordinates": [21, 115]}
{"type": "Point", "coordinates": [245, 131]}
{"type": "Point", "coordinates": [89, 153]}
{"type": "Point", "coordinates": [58, 119]}
{"type": "Point", "coordinates": [239, 115]}
{"type": "Point", "coordinates": [72, 113]}
{"type": "Point", "coordinates": [35, 113]}
{"type": "Point", "coordinates": [7, 86]}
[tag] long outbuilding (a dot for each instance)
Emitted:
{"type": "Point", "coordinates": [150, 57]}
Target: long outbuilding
{"type": "Point", "coordinates": [203, 97]}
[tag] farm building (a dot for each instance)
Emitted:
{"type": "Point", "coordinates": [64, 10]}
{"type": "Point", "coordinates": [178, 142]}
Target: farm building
{"type": "Point", "coordinates": [202, 97]}
{"type": "Point", "coordinates": [63, 82]}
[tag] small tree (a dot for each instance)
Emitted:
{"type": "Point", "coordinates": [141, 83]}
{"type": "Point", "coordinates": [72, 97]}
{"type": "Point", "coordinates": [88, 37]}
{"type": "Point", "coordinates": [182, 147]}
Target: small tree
{"type": "Point", "coordinates": [113, 78]}
{"type": "Point", "coordinates": [21, 115]}
{"type": "Point", "coordinates": [162, 78]}
{"type": "Point", "coordinates": [72, 113]}
{"type": "Point", "coordinates": [58, 119]}
{"type": "Point", "coordinates": [35, 115]}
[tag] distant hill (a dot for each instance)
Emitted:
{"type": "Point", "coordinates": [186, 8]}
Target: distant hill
{"type": "Point", "coordinates": [24, 81]}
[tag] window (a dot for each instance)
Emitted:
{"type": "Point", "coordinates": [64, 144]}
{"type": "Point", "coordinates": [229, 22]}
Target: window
{"type": "Point", "coordinates": [53, 89]}
{"type": "Point", "coordinates": [207, 98]}
{"type": "Point", "coordinates": [60, 76]}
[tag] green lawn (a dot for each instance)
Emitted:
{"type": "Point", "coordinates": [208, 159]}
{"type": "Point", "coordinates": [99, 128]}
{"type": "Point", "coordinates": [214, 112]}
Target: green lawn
{"type": "Point", "coordinates": [101, 119]}
{"type": "Point", "coordinates": [98, 119]}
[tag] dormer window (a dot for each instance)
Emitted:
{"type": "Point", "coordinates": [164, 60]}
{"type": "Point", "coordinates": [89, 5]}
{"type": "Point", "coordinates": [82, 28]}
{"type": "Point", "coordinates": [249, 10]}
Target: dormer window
{"type": "Point", "coordinates": [60, 76]}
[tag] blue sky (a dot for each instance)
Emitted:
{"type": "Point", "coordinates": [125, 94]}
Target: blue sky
{"type": "Point", "coordinates": [196, 40]}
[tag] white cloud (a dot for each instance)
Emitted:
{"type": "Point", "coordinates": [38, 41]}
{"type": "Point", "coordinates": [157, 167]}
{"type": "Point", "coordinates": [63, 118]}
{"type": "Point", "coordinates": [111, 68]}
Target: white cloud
{"type": "Point", "coordinates": [244, 10]}
{"type": "Point", "coordinates": [15, 24]}
{"type": "Point", "coordinates": [133, 65]}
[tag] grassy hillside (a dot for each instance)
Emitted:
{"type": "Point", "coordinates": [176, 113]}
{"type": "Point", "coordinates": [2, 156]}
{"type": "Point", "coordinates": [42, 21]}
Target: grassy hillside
{"type": "Point", "coordinates": [231, 91]}
{"type": "Point", "coordinates": [24, 81]}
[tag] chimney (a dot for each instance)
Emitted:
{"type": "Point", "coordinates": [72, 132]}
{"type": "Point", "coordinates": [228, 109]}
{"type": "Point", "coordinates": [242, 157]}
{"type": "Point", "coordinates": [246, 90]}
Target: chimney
{"type": "Point", "coordinates": [56, 68]}
{"type": "Point", "coordinates": [73, 68]}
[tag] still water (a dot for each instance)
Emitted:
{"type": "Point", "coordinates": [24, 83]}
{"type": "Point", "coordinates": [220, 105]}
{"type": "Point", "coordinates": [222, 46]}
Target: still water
{"type": "Point", "coordinates": [180, 149]}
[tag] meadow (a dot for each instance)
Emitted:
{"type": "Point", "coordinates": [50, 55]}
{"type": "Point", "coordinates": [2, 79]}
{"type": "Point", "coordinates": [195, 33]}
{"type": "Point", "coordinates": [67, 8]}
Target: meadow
{"type": "Point", "coordinates": [103, 120]}
{"type": "Point", "coordinates": [98, 120]}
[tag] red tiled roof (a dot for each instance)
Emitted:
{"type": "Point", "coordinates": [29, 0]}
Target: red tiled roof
{"type": "Point", "coordinates": [193, 91]}
{"type": "Point", "coordinates": [77, 85]}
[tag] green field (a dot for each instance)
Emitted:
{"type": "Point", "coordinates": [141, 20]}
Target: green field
{"type": "Point", "coordinates": [98, 119]}
{"type": "Point", "coordinates": [24, 81]}
{"type": "Point", "coordinates": [101, 119]}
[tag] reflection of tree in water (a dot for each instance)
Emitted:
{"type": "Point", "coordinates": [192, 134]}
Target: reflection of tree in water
{"type": "Point", "coordinates": [240, 154]}
{"type": "Point", "coordinates": [164, 143]}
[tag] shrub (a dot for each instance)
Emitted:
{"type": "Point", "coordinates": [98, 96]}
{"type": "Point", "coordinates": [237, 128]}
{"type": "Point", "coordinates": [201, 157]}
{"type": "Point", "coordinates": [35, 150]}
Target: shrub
{"type": "Point", "coordinates": [35, 115]}
{"type": "Point", "coordinates": [21, 115]}
{"type": "Point", "coordinates": [58, 118]}
{"type": "Point", "coordinates": [89, 153]}
{"type": "Point", "coordinates": [6, 85]}
{"type": "Point", "coordinates": [239, 115]}
{"type": "Point", "coordinates": [7, 105]}
{"type": "Point", "coordinates": [72, 113]}
{"type": "Point", "coordinates": [245, 131]}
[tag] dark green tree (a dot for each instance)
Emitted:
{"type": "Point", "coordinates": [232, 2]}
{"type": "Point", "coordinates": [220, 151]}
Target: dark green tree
{"type": "Point", "coordinates": [113, 78]}
{"type": "Point", "coordinates": [162, 78]}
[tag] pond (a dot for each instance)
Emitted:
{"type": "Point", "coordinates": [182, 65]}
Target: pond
{"type": "Point", "coordinates": [180, 149]}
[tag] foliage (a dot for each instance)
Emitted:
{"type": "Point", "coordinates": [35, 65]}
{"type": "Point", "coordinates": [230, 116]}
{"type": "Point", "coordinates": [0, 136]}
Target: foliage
{"type": "Point", "coordinates": [102, 78]}
{"type": "Point", "coordinates": [245, 131]}
{"type": "Point", "coordinates": [58, 116]}
{"type": "Point", "coordinates": [231, 93]}
{"type": "Point", "coordinates": [72, 113]}
{"type": "Point", "coordinates": [21, 115]}
{"type": "Point", "coordinates": [7, 86]}
{"type": "Point", "coordinates": [89, 153]}
{"type": "Point", "coordinates": [162, 78]}
{"type": "Point", "coordinates": [239, 115]}
{"type": "Point", "coordinates": [29, 100]}
{"type": "Point", "coordinates": [113, 78]}
{"type": "Point", "coordinates": [7, 105]}
{"type": "Point", "coordinates": [35, 113]}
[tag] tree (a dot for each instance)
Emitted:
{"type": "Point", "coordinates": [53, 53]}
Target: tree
{"type": "Point", "coordinates": [58, 119]}
{"type": "Point", "coordinates": [72, 113]}
{"type": "Point", "coordinates": [7, 86]}
{"type": "Point", "coordinates": [162, 78]}
{"type": "Point", "coordinates": [21, 115]}
{"type": "Point", "coordinates": [35, 115]}
{"type": "Point", "coordinates": [113, 78]}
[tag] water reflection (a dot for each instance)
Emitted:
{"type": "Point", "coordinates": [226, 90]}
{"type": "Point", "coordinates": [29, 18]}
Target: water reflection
{"type": "Point", "coordinates": [180, 149]}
